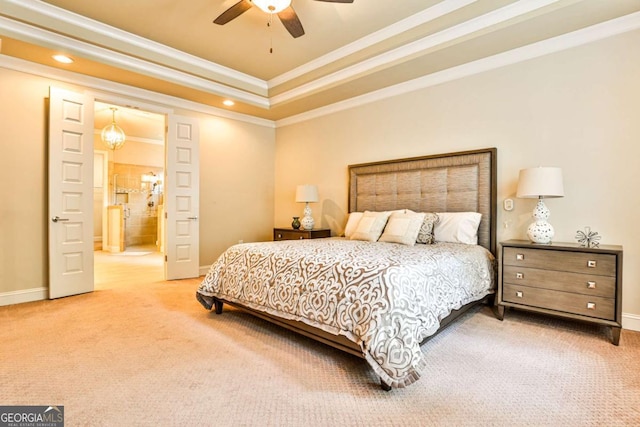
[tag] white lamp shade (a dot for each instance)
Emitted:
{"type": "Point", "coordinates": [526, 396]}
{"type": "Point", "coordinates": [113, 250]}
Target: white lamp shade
{"type": "Point", "coordinates": [306, 193]}
{"type": "Point", "coordinates": [540, 182]}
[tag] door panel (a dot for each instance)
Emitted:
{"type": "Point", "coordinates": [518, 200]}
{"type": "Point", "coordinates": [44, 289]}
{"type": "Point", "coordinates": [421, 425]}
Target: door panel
{"type": "Point", "coordinates": [182, 193]}
{"type": "Point", "coordinates": [70, 193]}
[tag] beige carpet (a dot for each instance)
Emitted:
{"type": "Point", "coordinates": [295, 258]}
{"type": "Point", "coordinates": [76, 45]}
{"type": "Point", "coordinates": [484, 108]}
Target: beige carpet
{"type": "Point", "coordinates": [139, 351]}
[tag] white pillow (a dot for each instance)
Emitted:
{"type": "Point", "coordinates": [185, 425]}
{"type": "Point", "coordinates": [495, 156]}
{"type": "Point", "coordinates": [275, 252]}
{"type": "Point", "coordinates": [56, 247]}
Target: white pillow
{"type": "Point", "coordinates": [352, 223]}
{"type": "Point", "coordinates": [354, 219]}
{"type": "Point", "coordinates": [457, 227]}
{"type": "Point", "coordinates": [403, 228]}
{"type": "Point", "coordinates": [370, 226]}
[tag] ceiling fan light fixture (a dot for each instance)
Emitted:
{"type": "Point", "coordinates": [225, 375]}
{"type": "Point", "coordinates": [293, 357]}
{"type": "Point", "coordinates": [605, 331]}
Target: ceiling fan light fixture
{"type": "Point", "coordinates": [272, 6]}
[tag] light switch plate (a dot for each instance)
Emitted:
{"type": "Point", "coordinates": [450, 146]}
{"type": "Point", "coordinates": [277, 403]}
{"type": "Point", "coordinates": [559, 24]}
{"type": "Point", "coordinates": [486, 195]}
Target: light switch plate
{"type": "Point", "coordinates": [508, 204]}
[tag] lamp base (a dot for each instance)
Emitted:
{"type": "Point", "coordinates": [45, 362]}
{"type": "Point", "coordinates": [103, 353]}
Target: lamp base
{"type": "Point", "coordinates": [540, 232]}
{"type": "Point", "coordinates": [307, 222]}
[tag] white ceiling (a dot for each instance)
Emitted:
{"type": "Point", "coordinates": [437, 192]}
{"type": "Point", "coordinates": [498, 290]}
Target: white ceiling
{"type": "Point", "coordinates": [349, 50]}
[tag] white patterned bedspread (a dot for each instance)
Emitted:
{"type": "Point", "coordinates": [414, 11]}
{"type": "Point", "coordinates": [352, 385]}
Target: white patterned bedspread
{"type": "Point", "coordinates": [385, 297]}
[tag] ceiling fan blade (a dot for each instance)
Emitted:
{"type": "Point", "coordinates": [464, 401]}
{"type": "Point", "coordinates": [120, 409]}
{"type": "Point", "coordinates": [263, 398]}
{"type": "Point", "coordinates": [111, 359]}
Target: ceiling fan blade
{"type": "Point", "coordinates": [290, 20]}
{"type": "Point", "coordinates": [233, 12]}
{"type": "Point", "coordinates": [337, 1]}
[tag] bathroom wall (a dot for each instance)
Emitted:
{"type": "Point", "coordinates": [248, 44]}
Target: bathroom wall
{"type": "Point", "coordinates": [130, 163]}
{"type": "Point", "coordinates": [141, 200]}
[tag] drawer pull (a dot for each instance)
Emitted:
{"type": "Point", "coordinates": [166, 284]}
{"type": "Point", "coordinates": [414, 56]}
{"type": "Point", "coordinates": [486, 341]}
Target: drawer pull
{"type": "Point", "coordinates": [279, 236]}
{"type": "Point", "coordinates": [519, 276]}
{"type": "Point", "coordinates": [591, 263]}
{"type": "Point", "coordinates": [591, 284]}
{"type": "Point", "coordinates": [301, 237]}
{"type": "Point", "coordinates": [591, 306]}
{"type": "Point", "coordinates": [519, 294]}
{"type": "Point", "coordinates": [520, 257]}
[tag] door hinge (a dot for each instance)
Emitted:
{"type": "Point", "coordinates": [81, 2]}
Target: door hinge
{"type": "Point", "coordinates": [166, 215]}
{"type": "Point", "coordinates": [166, 259]}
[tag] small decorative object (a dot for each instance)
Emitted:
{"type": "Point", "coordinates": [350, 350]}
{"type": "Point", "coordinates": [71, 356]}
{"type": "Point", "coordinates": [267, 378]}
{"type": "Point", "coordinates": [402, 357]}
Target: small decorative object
{"type": "Point", "coordinates": [296, 222]}
{"type": "Point", "coordinates": [588, 238]}
{"type": "Point", "coordinates": [539, 183]}
{"type": "Point", "coordinates": [307, 194]}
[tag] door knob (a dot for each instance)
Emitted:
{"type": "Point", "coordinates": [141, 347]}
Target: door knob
{"type": "Point", "coordinates": [57, 218]}
{"type": "Point", "coordinates": [193, 217]}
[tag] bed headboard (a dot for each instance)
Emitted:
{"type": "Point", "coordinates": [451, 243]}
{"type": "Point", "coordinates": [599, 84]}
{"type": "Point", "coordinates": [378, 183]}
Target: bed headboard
{"type": "Point", "coordinates": [454, 182]}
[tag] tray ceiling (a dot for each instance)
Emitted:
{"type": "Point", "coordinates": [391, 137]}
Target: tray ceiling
{"type": "Point", "coordinates": [349, 50]}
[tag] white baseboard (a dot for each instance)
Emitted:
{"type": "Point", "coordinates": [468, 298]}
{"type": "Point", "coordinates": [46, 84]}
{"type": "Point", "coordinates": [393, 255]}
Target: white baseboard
{"type": "Point", "coordinates": [631, 321]}
{"type": "Point", "coordinates": [26, 295]}
{"type": "Point", "coordinates": [204, 269]}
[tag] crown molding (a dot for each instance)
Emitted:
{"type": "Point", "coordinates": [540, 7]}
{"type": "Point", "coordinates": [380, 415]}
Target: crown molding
{"type": "Point", "coordinates": [112, 89]}
{"type": "Point", "coordinates": [32, 34]}
{"type": "Point", "coordinates": [432, 41]}
{"type": "Point", "coordinates": [45, 11]}
{"type": "Point", "coordinates": [443, 8]}
{"type": "Point", "coordinates": [576, 38]}
{"type": "Point", "coordinates": [26, 9]}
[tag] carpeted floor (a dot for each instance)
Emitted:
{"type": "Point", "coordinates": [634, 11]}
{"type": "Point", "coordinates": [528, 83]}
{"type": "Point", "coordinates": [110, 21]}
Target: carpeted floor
{"type": "Point", "coordinates": [144, 352]}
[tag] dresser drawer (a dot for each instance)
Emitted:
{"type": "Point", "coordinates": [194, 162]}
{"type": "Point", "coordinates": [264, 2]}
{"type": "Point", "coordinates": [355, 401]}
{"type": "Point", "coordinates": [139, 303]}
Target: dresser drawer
{"type": "Point", "coordinates": [576, 262]}
{"type": "Point", "coordinates": [592, 306]}
{"type": "Point", "coordinates": [290, 235]}
{"type": "Point", "coordinates": [586, 284]}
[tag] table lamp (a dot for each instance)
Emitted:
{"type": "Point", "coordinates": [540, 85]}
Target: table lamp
{"type": "Point", "coordinates": [307, 194]}
{"type": "Point", "coordinates": [539, 183]}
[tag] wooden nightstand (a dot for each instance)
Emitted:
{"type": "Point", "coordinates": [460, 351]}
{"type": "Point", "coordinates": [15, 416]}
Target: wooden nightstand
{"type": "Point", "coordinates": [293, 234]}
{"type": "Point", "coordinates": [563, 279]}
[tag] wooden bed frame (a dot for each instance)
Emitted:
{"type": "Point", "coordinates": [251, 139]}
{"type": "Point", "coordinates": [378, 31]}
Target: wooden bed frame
{"type": "Point", "coordinates": [455, 182]}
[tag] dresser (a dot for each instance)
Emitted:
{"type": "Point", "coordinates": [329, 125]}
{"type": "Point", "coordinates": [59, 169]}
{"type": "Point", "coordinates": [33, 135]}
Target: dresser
{"type": "Point", "coordinates": [293, 234]}
{"type": "Point", "coordinates": [563, 279]}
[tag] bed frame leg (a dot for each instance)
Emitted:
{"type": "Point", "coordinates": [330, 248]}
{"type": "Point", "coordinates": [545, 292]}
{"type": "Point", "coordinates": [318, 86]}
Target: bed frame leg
{"type": "Point", "coordinates": [218, 305]}
{"type": "Point", "coordinates": [384, 386]}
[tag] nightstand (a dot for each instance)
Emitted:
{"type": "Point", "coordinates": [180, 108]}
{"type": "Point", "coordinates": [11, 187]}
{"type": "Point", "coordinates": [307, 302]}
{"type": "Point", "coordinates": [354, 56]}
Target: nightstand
{"type": "Point", "coordinates": [293, 234]}
{"type": "Point", "coordinates": [563, 279]}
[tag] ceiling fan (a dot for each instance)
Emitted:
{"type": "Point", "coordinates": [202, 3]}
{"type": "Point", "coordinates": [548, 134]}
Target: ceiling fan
{"type": "Point", "coordinates": [282, 8]}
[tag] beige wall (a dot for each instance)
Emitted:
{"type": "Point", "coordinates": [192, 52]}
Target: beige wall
{"type": "Point", "coordinates": [236, 182]}
{"type": "Point", "coordinates": [578, 109]}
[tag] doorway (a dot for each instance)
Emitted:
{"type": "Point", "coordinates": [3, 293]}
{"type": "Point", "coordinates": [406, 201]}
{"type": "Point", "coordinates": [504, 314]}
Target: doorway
{"type": "Point", "coordinates": [128, 195]}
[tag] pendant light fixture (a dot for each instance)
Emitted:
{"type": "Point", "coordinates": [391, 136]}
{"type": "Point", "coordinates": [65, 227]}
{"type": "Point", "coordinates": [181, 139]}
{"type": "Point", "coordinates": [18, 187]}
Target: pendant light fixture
{"type": "Point", "coordinates": [112, 135]}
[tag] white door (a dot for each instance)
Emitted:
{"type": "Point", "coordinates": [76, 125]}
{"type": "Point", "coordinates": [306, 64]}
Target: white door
{"type": "Point", "coordinates": [70, 193]}
{"type": "Point", "coordinates": [182, 199]}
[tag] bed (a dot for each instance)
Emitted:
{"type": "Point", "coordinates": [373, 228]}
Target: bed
{"type": "Point", "coordinates": [379, 300]}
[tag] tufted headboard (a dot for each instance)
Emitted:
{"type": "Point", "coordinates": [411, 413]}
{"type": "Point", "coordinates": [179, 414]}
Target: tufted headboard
{"type": "Point", "coordinates": [454, 182]}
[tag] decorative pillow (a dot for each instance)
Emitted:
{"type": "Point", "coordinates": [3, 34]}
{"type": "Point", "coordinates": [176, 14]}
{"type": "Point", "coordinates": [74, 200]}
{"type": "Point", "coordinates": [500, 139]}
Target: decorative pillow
{"type": "Point", "coordinates": [403, 228]}
{"type": "Point", "coordinates": [370, 226]}
{"type": "Point", "coordinates": [352, 223]}
{"type": "Point", "coordinates": [425, 235]}
{"type": "Point", "coordinates": [457, 227]}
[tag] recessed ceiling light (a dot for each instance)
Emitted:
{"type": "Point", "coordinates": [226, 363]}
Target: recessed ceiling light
{"type": "Point", "coordinates": [63, 58]}
{"type": "Point", "coordinates": [228, 103]}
